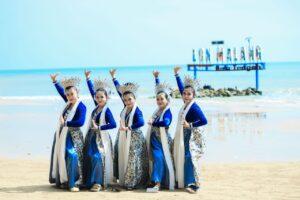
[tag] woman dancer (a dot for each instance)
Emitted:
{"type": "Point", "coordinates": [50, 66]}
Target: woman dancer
{"type": "Point", "coordinates": [66, 156]}
{"type": "Point", "coordinates": [159, 142]}
{"type": "Point", "coordinates": [98, 152]}
{"type": "Point", "coordinates": [130, 150]}
{"type": "Point", "coordinates": [188, 142]}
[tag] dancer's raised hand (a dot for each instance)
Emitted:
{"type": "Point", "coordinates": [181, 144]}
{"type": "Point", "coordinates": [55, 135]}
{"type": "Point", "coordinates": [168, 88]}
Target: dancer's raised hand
{"type": "Point", "coordinates": [177, 69]}
{"type": "Point", "coordinates": [53, 77]}
{"type": "Point", "coordinates": [155, 74]}
{"type": "Point", "coordinates": [87, 74]}
{"type": "Point", "coordinates": [113, 72]}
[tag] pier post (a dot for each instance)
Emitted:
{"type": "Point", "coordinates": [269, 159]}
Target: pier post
{"type": "Point", "coordinates": [195, 72]}
{"type": "Point", "coordinates": [256, 78]}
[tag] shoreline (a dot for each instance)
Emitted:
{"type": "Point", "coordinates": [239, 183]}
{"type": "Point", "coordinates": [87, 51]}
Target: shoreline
{"type": "Point", "coordinates": [237, 131]}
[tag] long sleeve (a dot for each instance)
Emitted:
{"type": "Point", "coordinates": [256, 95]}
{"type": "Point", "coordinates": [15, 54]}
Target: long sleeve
{"type": "Point", "coordinates": [198, 115]}
{"type": "Point", "coordinates": [117, 85]}
{"type": "Point", "coordinates": [79, 117]}
{"type": "Point", "coordinates": [110, 121]}
{"type": "Point", "coordinates": [91, 89]}
{"type": "Point", "coordinates": [179, 83]}
{"type": "Point", "coordinates": [157, 81]}
{"type": "Point", "coordinates": [138, 119]}
{"type": "Point", "coordinates": [167, 119]}
{"type": "Point", "coordinates": [60, 91]}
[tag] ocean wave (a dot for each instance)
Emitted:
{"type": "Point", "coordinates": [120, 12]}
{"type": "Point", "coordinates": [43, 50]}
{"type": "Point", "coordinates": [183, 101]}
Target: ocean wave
{"type": "Point", "coordinates": [38, 98]}
{"type": "Point", "coordinates": [288, 95]}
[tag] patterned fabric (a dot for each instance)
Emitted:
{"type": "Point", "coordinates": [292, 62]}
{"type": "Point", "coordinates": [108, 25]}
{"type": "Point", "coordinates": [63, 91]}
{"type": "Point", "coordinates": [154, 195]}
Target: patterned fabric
{"type": "Point", "coordinates": [137, 169]}
{"type": "Point", "coordinates": [196, 146]}
{"type": "Point", "coordinates": [102, 150]}
{"type": "Point", "coordinates": [77, 138]}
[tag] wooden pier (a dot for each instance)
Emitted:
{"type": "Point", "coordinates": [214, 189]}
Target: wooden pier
{"type": "Point", "coordinates": [245, 66]}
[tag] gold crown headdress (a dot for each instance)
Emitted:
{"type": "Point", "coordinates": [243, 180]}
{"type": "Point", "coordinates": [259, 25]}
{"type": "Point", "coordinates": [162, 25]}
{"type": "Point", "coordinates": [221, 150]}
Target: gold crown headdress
{"type": "Point", "coordinates": [102, 84]}
{"type": "Point", "coordinates": [72, 81]}
{"type": "Point", "coordinates": [128, 87]}
{"type": "Point", "coordinates": [194, 83]}
{"type": "Point", "coordinates": [163, 87]}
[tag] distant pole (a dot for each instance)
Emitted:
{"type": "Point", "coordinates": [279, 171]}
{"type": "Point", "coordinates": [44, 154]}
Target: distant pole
{"type": "Point", "coordinates": [248, 39]}
{"type": "Point", "coordinates": [194, 61]}
{"type": "Point", "coordinates": [256, 79]}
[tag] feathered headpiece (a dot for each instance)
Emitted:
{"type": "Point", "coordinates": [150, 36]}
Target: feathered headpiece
{"type": "Point", "coordinates": [102, 84]}
{"type": "Point", "coordinates": [194, 83]}
{"type": "Point", "coordinates": [163, 87]}
{"type": "Point", "coordinates": [128, 87]}
{"type": "Point", "coordinates": [72, 81]}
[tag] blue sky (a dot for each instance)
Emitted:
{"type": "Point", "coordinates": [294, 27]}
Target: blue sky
{"type": "Point", "coordinates": [80, 33]}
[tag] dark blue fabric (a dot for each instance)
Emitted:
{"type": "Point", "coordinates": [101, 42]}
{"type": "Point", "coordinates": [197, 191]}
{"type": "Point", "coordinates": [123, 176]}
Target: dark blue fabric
{"type": "Point", "coordinates": [159, 165]}
{"type": "Point", "coordinates": [167, 119]}
{"type": "Point", "coordinates": [195, 114]}
{"type": "Point", "coordinates": [71, 162]}
{"type": "Point", "coordinates": [92, 90]}
{"type": "Point", "coordinates": [60, 91]}
{"type": "Point", "coordinates": [94, 171]}
{"type": "Point", "coordinates": [109, 119]}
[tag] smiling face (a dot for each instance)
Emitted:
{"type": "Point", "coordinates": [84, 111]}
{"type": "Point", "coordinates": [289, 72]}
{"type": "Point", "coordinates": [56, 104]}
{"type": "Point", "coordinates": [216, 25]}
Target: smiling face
{"type": "Point", "coordinates": [129, 100]}
{"type": "Point", "coordinates": [101, 98]}
{"type": "Point", "coordinates": [72, 94]}
{"type": "Point", "coordinates": [162, 100]}
{"type": "Point", "coordinates": [188, 94]}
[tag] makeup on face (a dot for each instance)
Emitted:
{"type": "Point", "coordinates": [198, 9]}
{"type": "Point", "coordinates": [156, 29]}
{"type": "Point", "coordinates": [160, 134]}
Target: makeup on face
{"type": "Point", "coordinates": [129, 100]}
{"type": "Point", "coordinates": [72, 94]}
{"type": "Point", "coordinates": [101, 98]}
{"type": "Point", "coordinates": [188, 95]}
{"type": "Point", "coordinates": [161, 100]}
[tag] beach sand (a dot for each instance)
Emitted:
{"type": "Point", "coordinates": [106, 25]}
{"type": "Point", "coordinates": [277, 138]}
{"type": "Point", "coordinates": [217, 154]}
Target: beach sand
{"type": "Point", "coordinates": [28, 179]}
{"type": "Point", "coordinates": [252, 150]}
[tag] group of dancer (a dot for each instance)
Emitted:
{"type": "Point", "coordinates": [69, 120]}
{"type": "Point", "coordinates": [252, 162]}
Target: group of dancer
{"type": "Point", "coordinates": [134, 161]}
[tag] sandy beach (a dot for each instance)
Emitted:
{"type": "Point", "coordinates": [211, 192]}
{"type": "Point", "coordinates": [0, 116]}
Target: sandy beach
{"type": "Point", "coordinates": [252, 150]}
{"type": "Point", "coordinates": [27, 179]}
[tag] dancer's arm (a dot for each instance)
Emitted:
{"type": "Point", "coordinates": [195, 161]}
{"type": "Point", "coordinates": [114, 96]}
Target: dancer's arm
{"type": "Point", "coordinates": [110, 121]}
{"type": "Point", "coordinates": [178, 80]}
{"type": "Point", "coordinates": [167, 119]}
{"type": "Point", "coordinates": [58, 87]}
{"type": "Point", "coordinates": [90, 85]}
{"type": "Point", "coordinates": [79, 117]}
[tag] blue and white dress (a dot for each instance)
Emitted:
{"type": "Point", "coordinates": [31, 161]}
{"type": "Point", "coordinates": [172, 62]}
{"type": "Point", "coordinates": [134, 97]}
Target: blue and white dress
{"type": "Point", "coordinates": [159, 145]}
{"type": "Point", "coordinates": [131, 158]}
{"type": "Point", "coordinates": [66, 155]}
{"type": "Point", "coordinates": [98, 148]}
{"type": "Point", "coordinates": [188, 142]}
